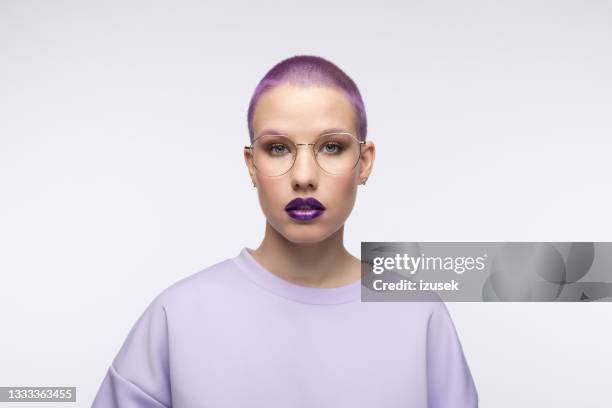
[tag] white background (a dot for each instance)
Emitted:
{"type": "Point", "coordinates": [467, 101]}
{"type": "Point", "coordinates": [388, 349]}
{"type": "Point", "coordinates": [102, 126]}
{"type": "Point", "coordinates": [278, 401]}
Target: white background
{"type": "Point", "coordinates": [121, 133]}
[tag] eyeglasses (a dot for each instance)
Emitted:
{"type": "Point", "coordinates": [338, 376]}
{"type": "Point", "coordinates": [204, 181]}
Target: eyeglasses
{"type": "Point", "coordinates": [334, 153]}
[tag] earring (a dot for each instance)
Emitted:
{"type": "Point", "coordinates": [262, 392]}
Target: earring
{"type": "Point", "coordinates": [254, 184]}
{"type": "Point", "coordinates": [364, 181]}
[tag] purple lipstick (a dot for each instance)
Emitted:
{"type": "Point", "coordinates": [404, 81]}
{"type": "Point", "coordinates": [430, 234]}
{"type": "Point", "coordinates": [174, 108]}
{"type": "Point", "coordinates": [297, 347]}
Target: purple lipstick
{"type": "Point", "coordinates": [304, 209]}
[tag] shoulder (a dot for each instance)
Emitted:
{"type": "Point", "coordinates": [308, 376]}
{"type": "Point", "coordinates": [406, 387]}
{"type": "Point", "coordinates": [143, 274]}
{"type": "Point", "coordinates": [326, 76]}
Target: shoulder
{"type": "Point", "coordinates": [213, 282]}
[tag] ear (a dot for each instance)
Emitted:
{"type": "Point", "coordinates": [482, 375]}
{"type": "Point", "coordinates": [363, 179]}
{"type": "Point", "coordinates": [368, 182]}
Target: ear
{"type": "Point", "coordinates": [368, 154]}
{"type": "Point", "coordinates": [248, 160]}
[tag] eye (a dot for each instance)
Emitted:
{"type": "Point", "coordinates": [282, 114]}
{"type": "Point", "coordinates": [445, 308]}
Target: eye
{"type": "Point", "coordinates": [331, 148]}
{"type": "Point", "coordinates": [277, 148]}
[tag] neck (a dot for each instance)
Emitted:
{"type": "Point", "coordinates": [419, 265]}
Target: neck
{"type": "Point", "coordinates": [322, 264]}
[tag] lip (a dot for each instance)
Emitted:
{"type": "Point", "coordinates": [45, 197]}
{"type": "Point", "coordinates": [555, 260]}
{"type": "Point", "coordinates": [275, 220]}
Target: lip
{"type": "Point", "coordinates": [304, 209]}
{"type": "Point", "coordinates": [304, 215]}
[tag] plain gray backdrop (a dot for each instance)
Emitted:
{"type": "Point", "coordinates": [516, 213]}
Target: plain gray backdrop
{"type": "Point", "coordinates": [121, 132]}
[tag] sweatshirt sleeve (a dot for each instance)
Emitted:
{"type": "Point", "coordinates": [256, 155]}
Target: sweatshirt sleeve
{"type": "Point", "coordinates": [450, 382]}
{"type": "Point", "coordinates": [138, 376]}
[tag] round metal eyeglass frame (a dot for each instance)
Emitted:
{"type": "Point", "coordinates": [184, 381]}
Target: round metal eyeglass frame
{"type": "Point", "coordinates": [361, 143]}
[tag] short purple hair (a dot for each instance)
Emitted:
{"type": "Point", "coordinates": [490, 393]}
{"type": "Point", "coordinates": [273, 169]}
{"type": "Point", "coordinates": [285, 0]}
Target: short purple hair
{"type": "Point", "coordinates": [309, 70]}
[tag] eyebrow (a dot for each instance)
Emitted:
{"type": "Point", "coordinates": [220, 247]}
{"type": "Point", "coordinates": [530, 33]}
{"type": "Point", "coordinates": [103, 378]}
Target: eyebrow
{"type": "Point", "coordinates": [276, 132]}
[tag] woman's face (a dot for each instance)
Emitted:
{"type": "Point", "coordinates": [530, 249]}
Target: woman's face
{"type": "Point", "coordinates": [303, 113]}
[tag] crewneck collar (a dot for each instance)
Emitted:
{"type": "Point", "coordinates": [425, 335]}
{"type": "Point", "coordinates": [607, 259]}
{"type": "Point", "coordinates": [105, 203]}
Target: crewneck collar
{"type": "Point", "coordinates": [303, 294]}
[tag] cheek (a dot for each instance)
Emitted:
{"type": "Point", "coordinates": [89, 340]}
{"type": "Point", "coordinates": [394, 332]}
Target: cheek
{"type": "Point", "coordinates": [346, 185]}
{"type": "Point", "coordinates": [344, 193]}
{"type": "Point", "coordinates": [270, 192]}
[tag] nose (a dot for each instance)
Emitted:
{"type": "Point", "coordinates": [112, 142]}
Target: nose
{"type": "Point", "coordinates": [305, 171]}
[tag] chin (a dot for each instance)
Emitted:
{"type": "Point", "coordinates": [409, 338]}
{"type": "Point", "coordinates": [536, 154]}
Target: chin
{"type": "Point", "coordinates": [307, 234]}
{"type": "Point", "coordinates": [304, 234]}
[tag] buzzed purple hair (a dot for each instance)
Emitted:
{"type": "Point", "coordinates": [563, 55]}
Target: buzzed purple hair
{"type": "Point", "coordinates": [307, 70]}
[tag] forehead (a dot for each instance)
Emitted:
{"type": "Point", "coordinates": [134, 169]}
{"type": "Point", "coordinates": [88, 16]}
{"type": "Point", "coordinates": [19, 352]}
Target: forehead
{"type": "Point", "coordinates": [294, 109]}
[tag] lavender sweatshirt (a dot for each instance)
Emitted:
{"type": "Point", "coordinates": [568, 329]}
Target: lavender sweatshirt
{"type": "Point", "coordinates": [236, 335]}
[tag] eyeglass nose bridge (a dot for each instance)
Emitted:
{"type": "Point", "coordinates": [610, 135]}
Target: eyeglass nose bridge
{"type": "Point", "coordinates": [314, 156]}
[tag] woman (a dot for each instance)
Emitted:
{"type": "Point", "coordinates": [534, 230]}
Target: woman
{"type": "Point", "coordinates": [283, 325]}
